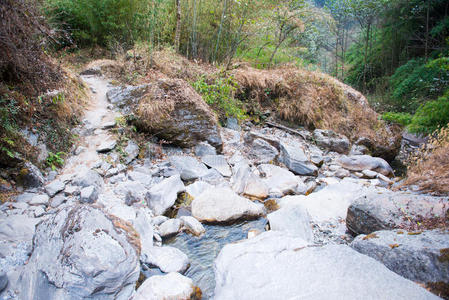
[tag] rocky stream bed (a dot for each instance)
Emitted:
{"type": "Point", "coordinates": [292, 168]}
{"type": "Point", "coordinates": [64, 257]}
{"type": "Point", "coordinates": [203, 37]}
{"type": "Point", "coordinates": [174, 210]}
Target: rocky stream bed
{"type": "Point", "coordinates": [241, 213]}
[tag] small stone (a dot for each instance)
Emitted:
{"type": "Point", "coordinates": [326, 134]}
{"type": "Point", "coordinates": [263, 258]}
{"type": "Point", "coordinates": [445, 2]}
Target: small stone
{"type": "Point", "coordinates": [106, 146]}
{"type": "Point", "coordinates": [170, 227]}
{"type": "Point", "coordinates": [54, 188]}
{"type": "Point", "coordinates": [132, 151]}
{"type": "Point", "coordinates": [108, 125]}
{"type": "Point", "coordinates": [204, 148]}
{"type": "Point", "coordinates": [170, 286]}
{"type": "Point", "coordinates": [168, 259]}
{"type": "Point", "coordinates": [57, 200]}
{"type": "Point", "coordinates": [39, 200]}
{"type": "Point", "coordinates": [192, 225]}
{"type": "Point", "coordinates": [188, 166]}
{"type": "Point", "coordinates": [89, 194]}
{"type": "Point", "coordinates": [158, 220]}
{"type": "Point", "coordinates": [369, 174]}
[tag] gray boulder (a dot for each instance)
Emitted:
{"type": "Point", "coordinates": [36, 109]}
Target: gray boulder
{"type": "Point", "coordinates": [168, 259]}
{"type": "Point", "coordinates": [88, 178]}
{"type": "Point", "coordinates": [132, 151]}
{"type": "Point", "coordinates": [263, 152]}
{"type": "Point", "coordinates": [170, 286]}
{"type": "Point", "coordinates": [106, 146]}
{"type": "Point", "coordinates": [100, 257]}
{"type": "Point", "coordinates": [223, 205]}
{"type": "Point", "coordinates": [421, 257]}
{"type": "Point", "coordinates": [39, 200]}
{"type": "Point", "coordinates": [89, 194]}
{"type": "Point", "coordinates": [331, 140]}
{"type": "Point", "coordinates": [17, 228]}
{"type": "Point", "coordinates": [195, 189]}
{"type": "Point", "coordinates": [163, 195]}
{"type": "Point", "coordinates": [359, 163]}
{"type": "Point", "coordinates": [217, 162]}
{"type": "Point", "coordinates": [188, 166]}
{"type": "Point", "coordinates": [144, 179]}
{"type": "Point", "coordinates": [276, 265]}
{"type": "Point", "coordinates": [30, 176]}
{"type": "Point", "coordinates": [296, 160]}
{"type": "Point", "coordinates": [54, 187]}
{"type": "Point", "coordinates": [279, 181]}
{"type": "Point", "coordinates": [384, 209]}
{"type": "Point", "coordinates": [294, 220]}
{"type": "Point", "coordinates": [3, 281]}
{"type": "Point", "coordinates": [204, 148]}
{"type": "Point", "coordinates": [126, 97]}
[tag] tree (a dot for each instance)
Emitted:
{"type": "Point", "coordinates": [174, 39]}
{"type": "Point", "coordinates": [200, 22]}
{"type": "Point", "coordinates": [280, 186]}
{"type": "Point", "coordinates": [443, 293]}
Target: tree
{"type": "Point", "coordinates": [178, 25]}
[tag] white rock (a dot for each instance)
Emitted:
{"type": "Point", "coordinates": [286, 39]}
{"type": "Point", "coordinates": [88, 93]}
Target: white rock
{"type": "Point", "coordinates": [192, 225]}
{"type": "Point", "coordinates": [54, 187]}
{"type": "Point", "coordinates": [168, 259]}
{"type": "Point", "coordinates": [170, 227]}
{"type": "Point", "coordinates": [293, 219]}
{"type": "Point", "coordinates": [163, 195]}
{"type": "Point", "coordinates": [172, 286]}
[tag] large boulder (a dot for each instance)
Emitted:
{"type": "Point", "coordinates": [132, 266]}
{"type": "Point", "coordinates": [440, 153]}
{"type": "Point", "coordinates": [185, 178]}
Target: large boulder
{"type": "Point", "coordinates": [245, 182]}
{"type": "Point", "coordinates": [163, 195]}
{"type": "Point", "coordinates": [30, 176]}
{"type": "Point", "coordinates": [295, 158]}
{"type": "Point", "coordinates": [359, 163]}
{"type": "Point", "coordinates": [263, 152]}
{"type": "Point", "coordinates": [175, 112]}
{"type": "Point", "coordinates": [126, 97]}
{"type": "Point", "coordinates": [223, 205]}
{"type": "Point", "coordinates": [331, 140]}
{"type": "Point", "coordinates": [383, 209]}
{"type": "Point", "coordinates": [162, 287]}
{"type": "Point", "coordinates": [294, 220]}
{"type": "Point", "coordinates": [82, 253]}
{"type": "Point", "coordinates": [276, 265]}
{"type": "Point", "coordinates": [420, 256]}
{"type": "Point", "coordinates": [279, 181]}
{"type": "Point", "coordinates": [167, 259]}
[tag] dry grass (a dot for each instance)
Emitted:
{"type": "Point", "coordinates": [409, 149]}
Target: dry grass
{"type": "Point", "coordinates": [430, 168]}
{"type": "Point", "coordinates": [315, 100]}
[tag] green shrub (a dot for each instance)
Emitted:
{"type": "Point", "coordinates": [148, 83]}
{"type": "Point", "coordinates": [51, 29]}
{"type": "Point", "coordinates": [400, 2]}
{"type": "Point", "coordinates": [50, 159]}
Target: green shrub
{"type": "Point", "coordinates": [399, 118]}
{"type": "Point", "coordinates": [55, 160]}
{"type": "Point", "coordinates": [220, 96]}
{"type": "Point", "coordinates": [431, 116]}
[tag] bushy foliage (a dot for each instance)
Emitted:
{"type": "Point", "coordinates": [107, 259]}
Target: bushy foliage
{"type": "Point", "coordinates": [102, 22]}
{"type": "Point", "coordinates": [431, 116]}
{"type": "Point", "coordinates": [398, 118]}
{"type": "Point", "coordinates": [220, 95]}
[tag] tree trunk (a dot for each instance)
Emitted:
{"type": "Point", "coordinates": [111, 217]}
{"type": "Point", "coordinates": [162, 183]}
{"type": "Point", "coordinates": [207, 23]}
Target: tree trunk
{"type": "Point", "coordinates": [427, 31]}
{"type": "Point", "coordinates": [223, 15]}
{"type": "Point", "coordinates": [178, 24]}
{"type": "Point", "coordinates": [274, 53]}
{"type": "Point", "coordinates": [365, 63]}
{"type": "Point", "coordinates": [194, 42]}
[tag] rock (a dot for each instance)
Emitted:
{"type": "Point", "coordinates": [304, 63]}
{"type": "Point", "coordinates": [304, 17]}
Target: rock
{"type": "Point", "coordinates": [233, 123]}
{"type": "Point", "coordinates": [111, 172]}
{"type": "Point", "coordinates": [276, 265]}
{"type": "Point", "coordinates": [39, 200]}
{"type": "Point", "coordinates": [358, 150]}
{"type": "Point", "coordinates": [94, 71]}
{"type": "Point", "coordinates": [247, 183]}
{"type": "Point", "coordinates": [144, 227]}
{"type": "Point", "coordinates": [170, 227]}
{"type": "Point", "coordinates": [168, 259]}
{"type": "Point", "coordinates": [263, 152]}
{"type": "Point", "coordinates": [342, 173]}
{"type": "Point", "coordinates": [3, 281]}
{"type": "Point", "coordinates": [223, 205]}
{"type": "Point", "coordinates": [106, 146]}
{"type": "Point", "coordinates": [419, 257]}
{"type": "Point", "coordinates": [213, 177]}
{"type": "Point", "coordinates": [278, 180]}
{"type": "Point", "coordinates": [108, 125]}
{"type": "Point", "coordinates": [39, 211]}
{"type": "Point", "coordinates": [132, 151]}
{"type": "Point", "coordinates": [331, 140]}
{"type": "Point", "coordinates": [54, 188]}
{"type": "Point", "coordinates": [178, 114]}
{"type": "Point", "coordinates": [57, 200]}
{"type": "Point", "coordinates": [158, 220]}
{"type": "Point", "coordinates": [25, 197]}
{"type": "Point", "coordinates": [88, 178]}
{"type": "Point", "coordinates": [126, 97]}
{"type": "Point", "coordinates": [71, 190]}
{"type": "Point", "coordinates": [52, 175]}
{"type": "Point", "coordinates": [366, 162]}
{"type": "Point", "coordinates": [144, 179]}
{"type": "Point", "coordinates": [369, 174]}
{"type": "Point", "coordinates": [191, 225]}
{"type": "Point", "coordinates": [100, 257]}
{"type": "Point", "coordinates": [336, 198]}
{"type": "Point", "coordinates": [132, 191]}
{"type": "Point", "coordinates": [17, 228]}
{"type": "Point", "coordinates": [170, 286]}
{"type": "Point", "coordinates": [379, 210]}
{"type": "Point", "coordinates": [294, 157]}
{"type": "Point", "coordinates": [204, 148]}
{"type": "Point", "coordinates": [195, 189]}
{"type": "Point", "coordinates": [217, 162]}
{"type": "Point", "coordinates": [89, 194]}
{"type": "Point", "coordinates": [188, 166]}
{"type": "Point", "coordinates": [163, 195]}
{"type": "Point", "coordinates": [30, 176]}
{"type": "Point", "coordinates": [294, 220]}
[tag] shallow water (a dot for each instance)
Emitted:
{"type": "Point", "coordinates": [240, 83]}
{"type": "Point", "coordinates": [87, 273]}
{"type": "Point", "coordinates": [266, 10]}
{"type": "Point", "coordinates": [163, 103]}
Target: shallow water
{"type": "Point", "coordinates": [203, 250]}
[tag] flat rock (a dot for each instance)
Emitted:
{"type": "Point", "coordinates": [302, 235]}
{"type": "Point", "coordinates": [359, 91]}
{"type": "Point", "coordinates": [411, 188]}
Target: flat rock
{"type": "Point", "coordinates": [188, 166]}
{"type": "Point", "coordinates": [170, 227]}
{"type": "Point", "coordinates": [168, 259]}
{"type": "Point", "coordinates": [421, 257]}
{"type": "Point", "coordinates": [276, 265]}
{"type": "Point", "coordinates": [204, 148]}
{"type": "Point", "coordinates": [54, 187]}
{"type": "Point", "coordinates": [296, 160]}
{"type": "Point", "coordinates": [162, 287]}
{"type": "Point", "coordinates": [132, 151]}
{"type": "Point", "coordinates": [144, 227]}
{"type": "Point", "coordinates": [360, 163]}
{"type": "Point", "coordinates": [106, 146]}
{"type": "Point", "coordinates": [263, 152]}
{"type": "Point", "coordinates": [195, 189]}
{"type": "Point", "coordinates": [89, 194]}
{"type": "Point", "coordinates": [30, 176]}
{"type": "Point", "coordinates": [294, 220]}
{"type": "Point", "coordinates": [217, 162]}
{"type": "Point", "coordinates": [279, 181]}
{"type": "Point", "coordinates": [224, 205]}
{"type": "Point", "coordinates": [39, 200]}
{"type": "Point", "coordinates": [163, 195]}
{"type": "Point", "coordinates": [144, 179]}
{"type": "Point", "coordinates": [17, 228]}
{"type": "Point", "coordinates": [383, 209]}
{"type": "Point", "coordinates": [88, 178]}
{"type": "Point", "coordinates": [191, 225]}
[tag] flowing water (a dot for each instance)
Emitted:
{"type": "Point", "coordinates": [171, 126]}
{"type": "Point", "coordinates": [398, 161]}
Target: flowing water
{"type": "Point", "coordinates": [203, 250]}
